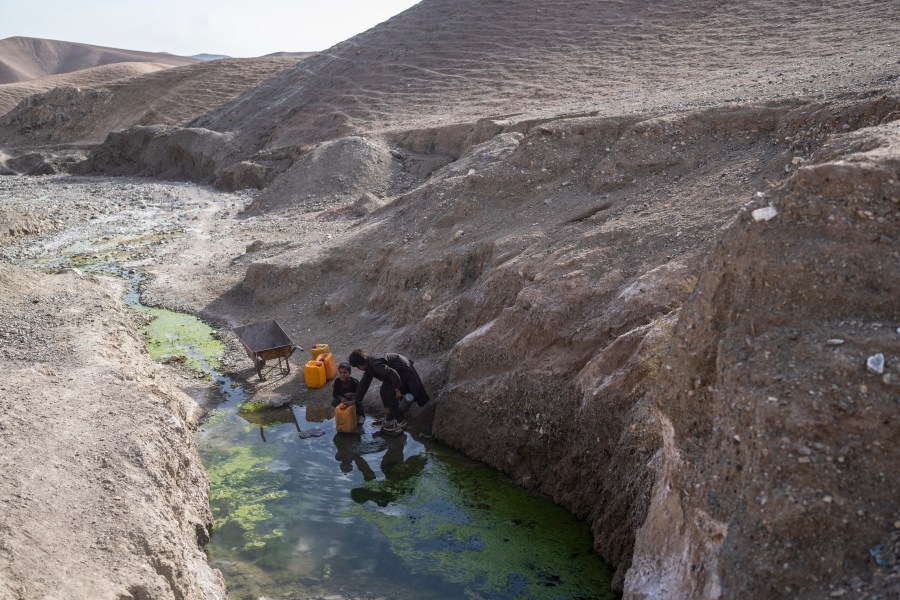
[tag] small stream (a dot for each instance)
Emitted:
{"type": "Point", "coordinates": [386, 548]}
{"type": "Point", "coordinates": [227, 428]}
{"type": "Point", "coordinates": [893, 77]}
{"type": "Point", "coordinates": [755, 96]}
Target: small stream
{"type": "Point", "coordinates": [303, 512]}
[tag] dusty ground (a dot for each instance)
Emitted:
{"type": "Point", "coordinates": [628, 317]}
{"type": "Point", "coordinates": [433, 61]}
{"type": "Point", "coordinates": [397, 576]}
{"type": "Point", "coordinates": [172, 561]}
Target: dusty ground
{"type": "Point", "coordinates": [550, 207]}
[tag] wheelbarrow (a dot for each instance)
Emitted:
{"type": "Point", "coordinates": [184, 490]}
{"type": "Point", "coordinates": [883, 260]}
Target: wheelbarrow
{"type": "Point", "coordinates": [266, 341]}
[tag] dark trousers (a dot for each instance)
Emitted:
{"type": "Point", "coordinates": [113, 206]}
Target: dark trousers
{"type": "Point", "coordinates": [389, 399]}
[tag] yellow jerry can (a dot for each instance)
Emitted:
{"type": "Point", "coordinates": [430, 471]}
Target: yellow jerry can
{"type": "Point", "coordinates": [330, 366]}
{"type": "Point", "coordinates": [318, 349]}
{"type": "Point", "coordinates": [345, 418]}
{"type": "Point", "coordinates": [314, 371]}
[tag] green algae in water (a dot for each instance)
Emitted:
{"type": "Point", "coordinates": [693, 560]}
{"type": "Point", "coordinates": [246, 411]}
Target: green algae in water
{"type": "Point", "coordinates": [485, 534]}
{"type": "Point", "coordinates": [171, 335]}
{"type": "Point", "coordinates": [242, 486]}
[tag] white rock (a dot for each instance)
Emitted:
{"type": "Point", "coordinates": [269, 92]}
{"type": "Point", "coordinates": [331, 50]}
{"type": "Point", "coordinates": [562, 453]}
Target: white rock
{"type": "Point", "coordinates": [764, 214]}
{"type": "Point", "coordinates": [834, 342]}
{"type": "Point", "coordinates": [875, 363]}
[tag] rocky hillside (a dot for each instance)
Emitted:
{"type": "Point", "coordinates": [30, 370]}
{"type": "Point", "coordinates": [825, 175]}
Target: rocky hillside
{"type": "Point", "coordinates": [106, 510]}
{"type": "Point", "coordinates": [82, 110]}
{"type": "Point", "coordinates": [443, 63]}
{"type": "Point", "coordinates": [645, 255]}
{"type": "Point", "coordinates": [25, 58]}
{"type": "Point", "coordinates": [13, 93]}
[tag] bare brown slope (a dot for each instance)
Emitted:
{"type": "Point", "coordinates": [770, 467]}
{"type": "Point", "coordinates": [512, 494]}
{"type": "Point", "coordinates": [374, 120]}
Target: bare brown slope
{"type": "Point", "coordinates": [24, 58]}
{"type": "Point", "coordinates": [170, 97]}
{"type": "Point", "coordinates": [460, 60]}
{"type": "Point", "coordinates": [13, 93]}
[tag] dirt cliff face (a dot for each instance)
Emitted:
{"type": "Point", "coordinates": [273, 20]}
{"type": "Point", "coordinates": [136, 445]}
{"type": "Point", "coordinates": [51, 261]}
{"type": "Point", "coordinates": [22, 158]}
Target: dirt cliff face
{"type": "Point", "coordinates": [780, 468]}
{"type": "Point", "coordinates": [641, 254]}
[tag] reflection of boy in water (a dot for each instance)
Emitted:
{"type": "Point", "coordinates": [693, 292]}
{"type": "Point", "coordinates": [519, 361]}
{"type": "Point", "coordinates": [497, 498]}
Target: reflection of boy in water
{"type": "Point", "coordinates": [400, 475]}
{"type": "Point", "coordinates": [349, 452]}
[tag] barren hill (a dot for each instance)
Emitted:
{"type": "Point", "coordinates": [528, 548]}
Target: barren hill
{"type": "Point", "coordinates": [24, 58]}
{"type": "Point", "coordinates": [84, 110]}
{"type": "Point", "coordinates": [444, 62]}
{"type": "Point", "coordinates": [449, 64]}
{"type": "Point", "coordinates": [13, 93]}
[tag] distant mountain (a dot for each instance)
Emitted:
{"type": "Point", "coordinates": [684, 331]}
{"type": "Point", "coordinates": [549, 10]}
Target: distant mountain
{"type": "Point", "coordinates": [289, 55]}
{"type": "Point", "coordinates": [209, 56]}
{"type": "Point", "coordinates": [25, 58]}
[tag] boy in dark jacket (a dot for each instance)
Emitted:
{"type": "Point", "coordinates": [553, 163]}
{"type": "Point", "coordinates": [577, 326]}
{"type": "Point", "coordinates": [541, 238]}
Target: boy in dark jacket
{"type": "Point", "coordinates": [344, 391]}
{"type": "Point", "coordinates": [398, 377]}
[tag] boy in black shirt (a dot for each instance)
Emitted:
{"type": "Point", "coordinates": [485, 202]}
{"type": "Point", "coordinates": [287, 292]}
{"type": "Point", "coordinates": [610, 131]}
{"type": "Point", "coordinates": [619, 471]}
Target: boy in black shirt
{"type": "Point", "coordinates": [398, 377]}
{"type": "Point", "coordinates": [345, 389]}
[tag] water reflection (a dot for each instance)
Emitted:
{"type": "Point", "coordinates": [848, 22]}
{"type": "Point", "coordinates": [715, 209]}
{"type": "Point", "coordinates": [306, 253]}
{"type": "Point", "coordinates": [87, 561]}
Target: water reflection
{"type": "Point", "coordinates": [350, 450]}
{"type": "Point", "coordinates": [363, 513]}
{"type": "Point", "coordinates": [399, 475]}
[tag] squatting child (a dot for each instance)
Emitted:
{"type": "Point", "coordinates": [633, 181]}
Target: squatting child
{"type": "Point", "coordinates": [345, 389]}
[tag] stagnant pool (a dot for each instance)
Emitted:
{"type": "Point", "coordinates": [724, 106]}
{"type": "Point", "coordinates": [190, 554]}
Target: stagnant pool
{"type": "Point", "coordinates": [302, 512]}
{"type": "Point", "coordinates": [300, 509]}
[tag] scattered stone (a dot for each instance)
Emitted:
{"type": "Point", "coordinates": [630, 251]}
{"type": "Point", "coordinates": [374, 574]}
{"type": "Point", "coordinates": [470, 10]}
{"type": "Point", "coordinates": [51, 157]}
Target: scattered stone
{"type": "Point", "coordinates": [277, 402]}
{"type": "Point", "coordinates": [764, 214]}
{"type": "Point", "coordinates": [875, 363]}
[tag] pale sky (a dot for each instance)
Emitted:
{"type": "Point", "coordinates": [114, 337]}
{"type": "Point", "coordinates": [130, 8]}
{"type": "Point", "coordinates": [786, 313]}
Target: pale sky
{"type": "Point", "coordinates": [237, 28]}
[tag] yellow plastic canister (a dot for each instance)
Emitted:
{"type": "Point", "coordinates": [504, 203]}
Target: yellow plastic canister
{"type": "Point", "coordinates": [330, 365]}
{"type": "Point", "coordinates": [318, 349]}
{"type": "Point", "coordinates": [345, 418]}
{"type": "Point", "coordinates": [314, 371]}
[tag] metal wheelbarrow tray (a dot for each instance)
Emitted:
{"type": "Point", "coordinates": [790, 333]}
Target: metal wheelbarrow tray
{"type": "Point", "coordinates": [266, 341]}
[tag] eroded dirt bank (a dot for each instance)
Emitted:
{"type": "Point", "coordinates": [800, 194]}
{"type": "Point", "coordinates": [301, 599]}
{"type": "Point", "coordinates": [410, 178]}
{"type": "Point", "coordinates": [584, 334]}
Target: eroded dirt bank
{"type": "Point", "coordinates": [102, 492]}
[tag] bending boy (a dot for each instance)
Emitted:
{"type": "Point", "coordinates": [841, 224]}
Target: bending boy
{"type": "Point", "coordinates": [398, 376]}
